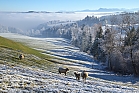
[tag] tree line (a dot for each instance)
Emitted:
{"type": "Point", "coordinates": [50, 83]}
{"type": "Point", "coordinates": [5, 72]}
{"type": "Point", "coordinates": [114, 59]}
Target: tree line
{"type": "Point", "coordinates": [112, 40]}
{"type": "Point", "coordinates": [115, 44]}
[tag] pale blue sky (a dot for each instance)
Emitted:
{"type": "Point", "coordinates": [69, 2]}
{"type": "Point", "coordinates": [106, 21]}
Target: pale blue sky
{"type": "Point", "coordinates": [66, 5]}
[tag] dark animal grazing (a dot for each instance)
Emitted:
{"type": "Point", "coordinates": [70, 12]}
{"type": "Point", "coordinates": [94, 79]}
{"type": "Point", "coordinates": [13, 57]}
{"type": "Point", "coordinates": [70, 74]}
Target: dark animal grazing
{"type": "Point", "coordinates": [21, 56]}
{"type": "Point", "coordinates": [84, 75]}
{"type": "Point", "coordinates": [77, 75]}
{"type": "Point", "coordinates": [62, 70]}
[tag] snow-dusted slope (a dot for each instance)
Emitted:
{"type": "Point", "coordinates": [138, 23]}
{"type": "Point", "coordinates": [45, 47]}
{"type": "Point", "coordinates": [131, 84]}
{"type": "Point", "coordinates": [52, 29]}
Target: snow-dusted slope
{"type": "Point", "coordinates": [26, 80]}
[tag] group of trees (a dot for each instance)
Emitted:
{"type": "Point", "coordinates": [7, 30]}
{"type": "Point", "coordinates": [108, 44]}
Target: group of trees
{"type": "Point", "coordinates": [113, 40]}
{"type": "Point", "coordinates": [5, 29]}
{"type": "Point", "coordinates": [116, 44]}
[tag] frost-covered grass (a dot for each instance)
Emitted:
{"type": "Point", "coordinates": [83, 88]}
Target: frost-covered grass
{"type": "Point", "coordinates": [19, 47]}
{"type": "Point", "coordinates": [10, 57]}
{"type": "Point", "coordinates": [10, 51]}
{"type": "Point", "coordinates": [42, 78]}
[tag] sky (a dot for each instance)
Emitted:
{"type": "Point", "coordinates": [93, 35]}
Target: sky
{"type": "Point", "coordinates": [64, 5]}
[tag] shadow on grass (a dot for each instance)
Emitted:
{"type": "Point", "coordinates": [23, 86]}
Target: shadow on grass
{"type": "Point", "coordinates": [105, 75]}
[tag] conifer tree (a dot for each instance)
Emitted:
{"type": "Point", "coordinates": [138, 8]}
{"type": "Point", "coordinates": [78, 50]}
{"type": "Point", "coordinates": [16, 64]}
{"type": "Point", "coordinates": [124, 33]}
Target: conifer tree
{"type": "Point", "coordinates": [130, 41]}
{"type": "Point", "coordinates": [96, 49]}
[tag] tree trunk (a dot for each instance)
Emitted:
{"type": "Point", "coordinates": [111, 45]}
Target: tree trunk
{"type": "Point", "coordinates": [109, 62]}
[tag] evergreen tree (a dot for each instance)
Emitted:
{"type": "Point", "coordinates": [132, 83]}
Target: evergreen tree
{"type": "Point", "coordinates": [96, 50]}
{"type": "Point", "coordinates": [137, 39]}
{"type": "Point", "coordinates": [130, 37]}
{"type": "Point", "coordinates": [130, 41]}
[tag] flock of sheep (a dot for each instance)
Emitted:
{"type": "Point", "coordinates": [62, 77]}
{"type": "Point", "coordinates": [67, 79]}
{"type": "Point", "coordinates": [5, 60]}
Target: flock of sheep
{"type": "Point", "coordinates": [83, 74]}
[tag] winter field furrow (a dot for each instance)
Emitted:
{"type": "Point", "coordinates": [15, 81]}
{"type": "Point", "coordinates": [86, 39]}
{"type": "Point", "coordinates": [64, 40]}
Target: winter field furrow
{"type": "Point", "coordinates": [23, 79]}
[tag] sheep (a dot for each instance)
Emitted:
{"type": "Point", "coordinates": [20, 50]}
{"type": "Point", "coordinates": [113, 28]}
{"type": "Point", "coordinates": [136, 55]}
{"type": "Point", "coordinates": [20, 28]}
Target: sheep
{"type": "Point", "coordinates": [77, 75]}
{"type": "Point", "coordinates": [62, 70]}
{"type": "Point", "coordinates": [21, 56]}
{"type": "Point", "coordinates": [84, 75]}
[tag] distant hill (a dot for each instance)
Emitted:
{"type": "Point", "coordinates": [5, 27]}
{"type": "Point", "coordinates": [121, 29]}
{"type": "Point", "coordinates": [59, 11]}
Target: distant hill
{"type": "Point", "coordinates": [110, 10]}
{"type": "Point", "coordinates": [86, 10]}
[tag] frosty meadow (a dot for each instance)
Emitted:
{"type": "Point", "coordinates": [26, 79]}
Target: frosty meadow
{"type": "Point", "coordinates": [83, 51]}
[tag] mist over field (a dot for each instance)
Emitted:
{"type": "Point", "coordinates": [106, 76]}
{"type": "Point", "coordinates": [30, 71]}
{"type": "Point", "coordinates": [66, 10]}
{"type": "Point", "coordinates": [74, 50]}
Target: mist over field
{"type": "Point", "coordinates": [25, 21]}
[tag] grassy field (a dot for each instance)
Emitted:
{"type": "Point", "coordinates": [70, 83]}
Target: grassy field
{"type": "Point", "coordinates": [6, 43]}
{"type": "Point", "coordinates": [10, 50]}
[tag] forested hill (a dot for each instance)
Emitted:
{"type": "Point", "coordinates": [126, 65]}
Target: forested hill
{"type": "Point", "coordinates": [112, 39]}
{"type": "Point", "coordinates": [66, 28]}
{"type": "Point", "coordinates": [63, 29]}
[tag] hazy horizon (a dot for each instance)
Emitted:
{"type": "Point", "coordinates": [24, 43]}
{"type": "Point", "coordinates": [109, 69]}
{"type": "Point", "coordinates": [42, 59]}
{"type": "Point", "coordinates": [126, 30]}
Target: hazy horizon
{"type": "Point", "coordinates": [65, 5]}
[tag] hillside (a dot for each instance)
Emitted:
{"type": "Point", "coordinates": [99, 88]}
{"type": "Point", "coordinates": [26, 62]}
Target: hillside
{"type": "Point", "coordinates": [6, 43]}
{"type": "Point", "coordinates": [10, 51]}
{"type": "Point", "coordinates": [34, 74]}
